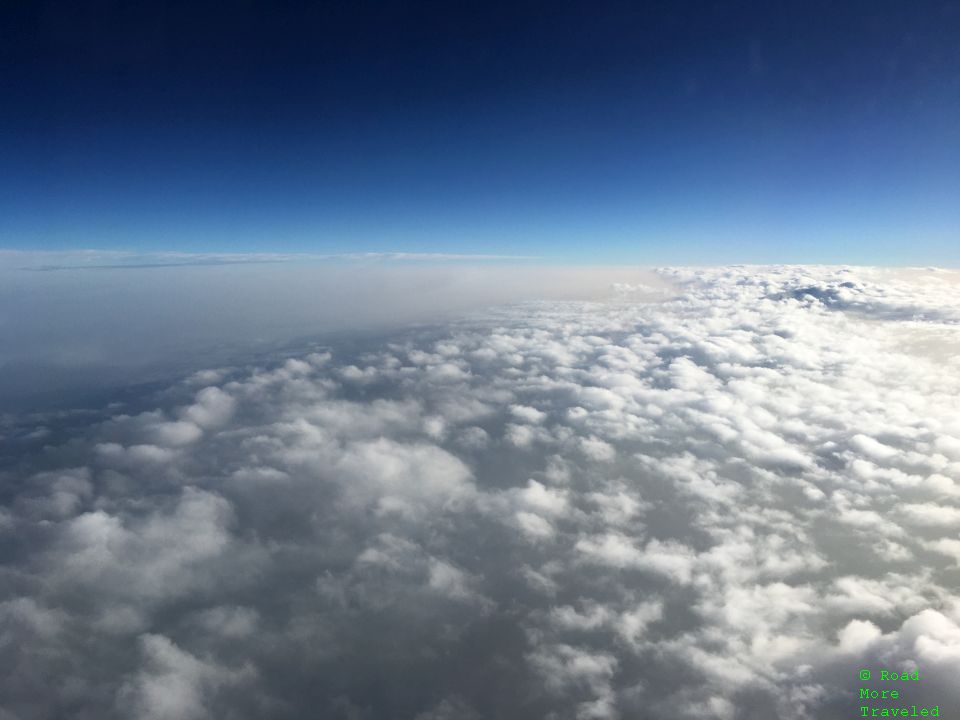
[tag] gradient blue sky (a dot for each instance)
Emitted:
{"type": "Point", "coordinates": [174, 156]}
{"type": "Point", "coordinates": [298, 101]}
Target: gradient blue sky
{"type": "Point", "coordinates": [680, 132]}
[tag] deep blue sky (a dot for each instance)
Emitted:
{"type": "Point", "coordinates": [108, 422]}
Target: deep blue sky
{"type": "Point", "coordinates": [584, 132]}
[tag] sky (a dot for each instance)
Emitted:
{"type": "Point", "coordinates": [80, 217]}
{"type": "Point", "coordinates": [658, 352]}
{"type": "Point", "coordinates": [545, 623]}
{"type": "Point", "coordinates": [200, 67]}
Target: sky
{"type": "Point", "coordinates": [455, 361]}
{"type": "Point", "coordinates": [581, 133]}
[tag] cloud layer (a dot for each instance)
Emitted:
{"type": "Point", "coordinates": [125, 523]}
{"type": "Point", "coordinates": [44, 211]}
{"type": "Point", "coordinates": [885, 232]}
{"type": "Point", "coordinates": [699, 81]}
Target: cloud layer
{"type": "Point", "coordinates": [720, 505]}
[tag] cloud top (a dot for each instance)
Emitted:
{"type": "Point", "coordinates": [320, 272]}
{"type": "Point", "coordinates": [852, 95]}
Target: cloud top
{"type": "Point", "coordinates": [720, 504]}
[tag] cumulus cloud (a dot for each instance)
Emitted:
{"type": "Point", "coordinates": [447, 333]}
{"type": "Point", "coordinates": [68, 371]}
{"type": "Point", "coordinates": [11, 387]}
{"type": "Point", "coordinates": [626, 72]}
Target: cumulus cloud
{"type": "Point", "coordinates": [720, 502]}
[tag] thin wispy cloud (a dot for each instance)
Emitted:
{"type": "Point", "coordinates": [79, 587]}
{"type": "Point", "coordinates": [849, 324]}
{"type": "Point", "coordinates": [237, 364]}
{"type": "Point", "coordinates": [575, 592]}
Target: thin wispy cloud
{"type": "Point", "coordinates": [112, 260]}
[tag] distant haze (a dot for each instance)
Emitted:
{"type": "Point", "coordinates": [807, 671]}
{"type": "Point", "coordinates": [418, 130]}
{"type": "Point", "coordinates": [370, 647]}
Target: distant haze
{"type": "Point", "coordinates": [68, 327]}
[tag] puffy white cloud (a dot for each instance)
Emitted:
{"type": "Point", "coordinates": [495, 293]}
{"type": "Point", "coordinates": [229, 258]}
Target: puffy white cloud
{"type": "Point", "coordinates": [931, 514]}
{"type": "Point", "coordinates": [528, 414]}
{"type": "Point", "coordinates": [717, 502]}
{"type": "Point", "coordinates": [533, 526]}
{"type": "Point", "coordinates": [173, 684]}
{"type": "Point", "coordinates": [212, 407]}
{"type": "Point", "coordinates": [409, 479]}
{"type": "Point", "coordinates": [857, 636]}
{"type": "Point", "coordinates": [176, 433]}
